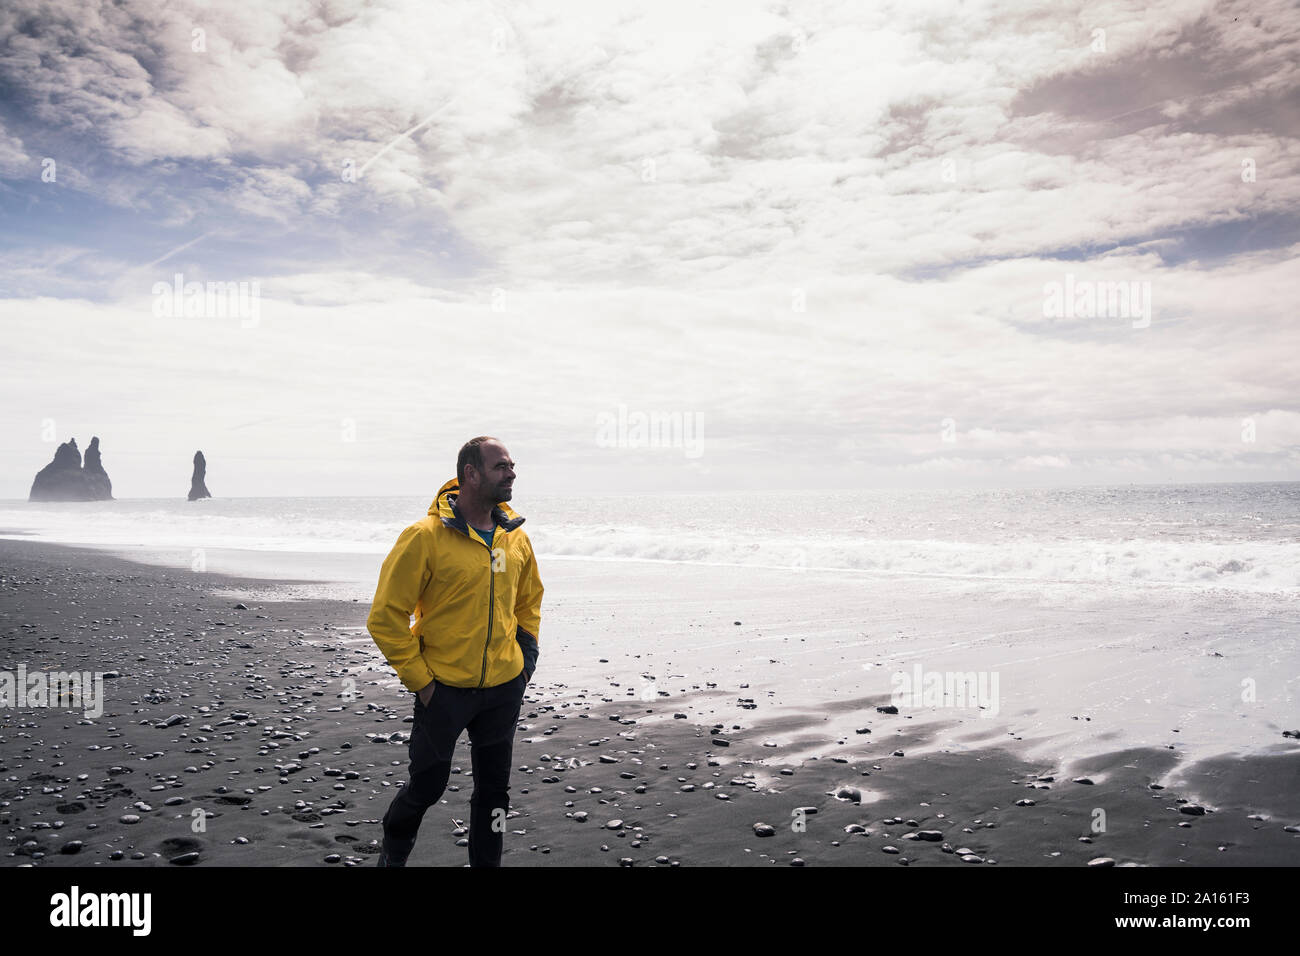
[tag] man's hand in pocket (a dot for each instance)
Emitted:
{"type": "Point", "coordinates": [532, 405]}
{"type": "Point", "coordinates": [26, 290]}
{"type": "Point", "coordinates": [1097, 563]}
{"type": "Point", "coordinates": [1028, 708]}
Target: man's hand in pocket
{"type": "Point", "coordinates": [426, 693]}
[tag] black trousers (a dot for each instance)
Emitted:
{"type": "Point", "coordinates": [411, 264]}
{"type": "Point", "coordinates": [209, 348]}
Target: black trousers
{"type": "Point", "coordinates": [490, 716]}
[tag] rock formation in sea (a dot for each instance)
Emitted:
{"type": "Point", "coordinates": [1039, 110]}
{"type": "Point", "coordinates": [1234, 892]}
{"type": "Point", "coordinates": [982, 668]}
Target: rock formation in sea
{"type": "Point", "coordinates": [93, 467]}
{"type": "Point", "coordinates": [198, 489]}
{"type": "Point", "coordinates": [65, 478]}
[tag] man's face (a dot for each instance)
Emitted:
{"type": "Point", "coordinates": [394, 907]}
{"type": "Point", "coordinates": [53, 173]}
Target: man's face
{"type": "Point", "coordinates": [496, 483]}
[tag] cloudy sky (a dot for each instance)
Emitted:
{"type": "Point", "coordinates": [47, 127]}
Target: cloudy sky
{"type": "Point", "coordinates": [821, 241]}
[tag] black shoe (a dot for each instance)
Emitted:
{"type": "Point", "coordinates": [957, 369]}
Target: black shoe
{"type": "Point", "coordinates": [390, 855]}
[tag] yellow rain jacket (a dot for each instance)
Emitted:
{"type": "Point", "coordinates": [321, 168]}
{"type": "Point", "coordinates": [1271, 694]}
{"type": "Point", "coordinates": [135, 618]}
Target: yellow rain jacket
{"type": "Point", "coordinates": [476, 610]}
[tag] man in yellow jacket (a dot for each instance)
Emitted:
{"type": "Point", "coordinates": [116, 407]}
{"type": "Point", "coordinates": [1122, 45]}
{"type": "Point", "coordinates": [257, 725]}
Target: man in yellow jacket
{"type": "Point", "coordinates": [468, 575]}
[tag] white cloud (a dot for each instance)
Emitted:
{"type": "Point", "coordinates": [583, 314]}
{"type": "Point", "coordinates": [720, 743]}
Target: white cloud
{"type": "Point", "coordinates": [14, 161]}
{"type": "Point", "coordinates": [655, 191]}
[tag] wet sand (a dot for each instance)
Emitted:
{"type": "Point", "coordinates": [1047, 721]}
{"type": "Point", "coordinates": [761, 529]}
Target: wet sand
{"type": "Point", "coordinates": [274, 735]}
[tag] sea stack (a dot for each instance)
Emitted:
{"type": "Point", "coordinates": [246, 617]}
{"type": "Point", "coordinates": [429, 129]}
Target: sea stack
{"type": "Point", "coordinates": [65, 479]}
{"type": "Point", "coordinates": [198, 489]}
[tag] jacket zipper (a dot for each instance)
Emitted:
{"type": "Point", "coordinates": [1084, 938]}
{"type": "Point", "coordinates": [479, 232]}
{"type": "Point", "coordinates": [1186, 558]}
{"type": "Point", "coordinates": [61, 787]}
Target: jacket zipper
{"type": "Point", "coordinates": [492, 587]}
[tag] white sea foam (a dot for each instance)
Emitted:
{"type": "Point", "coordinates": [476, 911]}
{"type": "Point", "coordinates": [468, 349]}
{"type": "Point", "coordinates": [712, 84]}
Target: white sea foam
{"type": "Point", "coordinates": [1239, 565]}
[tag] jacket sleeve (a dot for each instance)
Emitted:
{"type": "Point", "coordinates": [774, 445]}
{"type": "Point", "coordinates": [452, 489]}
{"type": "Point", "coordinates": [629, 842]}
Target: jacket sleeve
{"type": "Point", "coordinates": [528, 612]}
{"type": "Point", "coordinates": [402, 579]}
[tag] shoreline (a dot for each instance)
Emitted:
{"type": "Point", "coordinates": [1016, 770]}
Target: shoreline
{"type": "Point", "coordinates": [267, 751]}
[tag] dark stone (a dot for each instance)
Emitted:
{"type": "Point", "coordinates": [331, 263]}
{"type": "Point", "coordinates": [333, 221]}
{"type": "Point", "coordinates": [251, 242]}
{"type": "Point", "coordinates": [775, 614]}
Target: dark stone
{"type": "Point", "coordinates": [66, 479]}
{"type": "Point", "coordinates": [198, 489]}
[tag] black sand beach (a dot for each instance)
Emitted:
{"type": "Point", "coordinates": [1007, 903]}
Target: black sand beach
{"type": "Point", "coordinates": [269, 736]}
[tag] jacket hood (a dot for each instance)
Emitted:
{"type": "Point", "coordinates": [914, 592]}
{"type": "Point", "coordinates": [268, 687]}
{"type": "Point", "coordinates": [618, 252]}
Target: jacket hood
{"type": "Point", "coordinates": [444, 507]}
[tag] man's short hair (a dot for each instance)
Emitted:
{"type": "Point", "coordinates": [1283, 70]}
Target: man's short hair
{"type": "Point", "coordinates": [471, 453]}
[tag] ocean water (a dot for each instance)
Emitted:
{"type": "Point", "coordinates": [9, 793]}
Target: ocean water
{"type": "Point", "coordinates": [1240, 537]}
